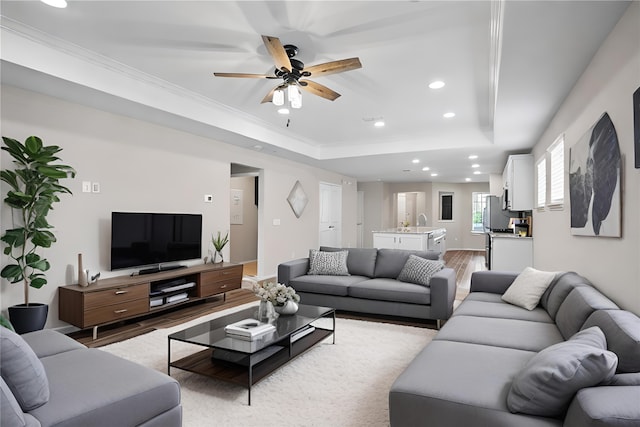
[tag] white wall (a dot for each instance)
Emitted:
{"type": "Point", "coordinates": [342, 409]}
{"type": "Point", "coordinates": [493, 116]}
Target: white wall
{"type": "Point", "coordinates": [243, 238]}
{"type": "Point", "coordinates": [146, 167]}
{"type": "Point", "coordinates": [607, 85]}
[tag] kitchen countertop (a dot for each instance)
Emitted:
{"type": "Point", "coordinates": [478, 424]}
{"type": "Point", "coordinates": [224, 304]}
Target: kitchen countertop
{"type": "Point", "coordinates": [509, 236]}
{"type": "Point", "coordinates": [412, 230]}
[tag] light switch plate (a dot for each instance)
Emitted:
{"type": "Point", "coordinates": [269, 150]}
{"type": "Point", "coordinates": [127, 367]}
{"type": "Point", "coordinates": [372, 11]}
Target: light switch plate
{"type": "Point", "coordinates": [208, 198]}
{"type": "Point", "coordinates": [86, 186]}
{"type": "Point", "coordinates": [95, 187]}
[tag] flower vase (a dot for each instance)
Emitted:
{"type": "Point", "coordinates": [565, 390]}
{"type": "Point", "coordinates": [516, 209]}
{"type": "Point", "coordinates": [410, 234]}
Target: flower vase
{"type": "Point", "coordinates": [217, 257]}
{"type": "Point", "coordinates": [288, 308]}
{"type": "Point", "coordinates": [266, 312]}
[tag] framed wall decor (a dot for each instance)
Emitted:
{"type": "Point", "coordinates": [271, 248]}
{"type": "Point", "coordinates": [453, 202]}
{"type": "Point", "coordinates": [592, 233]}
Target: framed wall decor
{"type": "Point", "coordinates": [297, 199]}
{"type": "Point", "coordinates": [636, 126]}
{"type": "Point", "coordinates": [594, 182]}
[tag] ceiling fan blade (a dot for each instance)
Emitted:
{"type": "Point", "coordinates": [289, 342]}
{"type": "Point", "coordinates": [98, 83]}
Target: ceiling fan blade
{"type": "Point", "coordinates": [334, 67]}
{"type": "Point", "coordinates": [318, 89]}
{"type": "Point", "coordinates": [277, 52]}
{"type": "Point", "coordinates": [269, 96]}
{"type": "Point", "coordinates": [245, 75]}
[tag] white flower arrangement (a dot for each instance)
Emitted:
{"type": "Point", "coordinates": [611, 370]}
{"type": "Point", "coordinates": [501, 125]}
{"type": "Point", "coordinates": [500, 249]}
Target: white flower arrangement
{"type": "Point", "coordinates": [277, 293]}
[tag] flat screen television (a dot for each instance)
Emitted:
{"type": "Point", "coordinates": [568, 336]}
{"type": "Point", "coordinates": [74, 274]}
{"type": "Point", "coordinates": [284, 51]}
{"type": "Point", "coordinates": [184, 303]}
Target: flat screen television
{"type": "Point", "coordinates": [142, 239]}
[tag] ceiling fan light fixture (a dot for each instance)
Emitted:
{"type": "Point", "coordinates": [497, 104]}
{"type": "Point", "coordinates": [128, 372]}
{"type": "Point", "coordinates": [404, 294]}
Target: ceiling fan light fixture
{"type": "Point", "coordinates": [438, 84]}
{"type": "Point", "coordinates": [278, 97]}
{"type": "Point", "coordinates": [295, 96]}
{"type": "Point", "coordinates": [283, 111]}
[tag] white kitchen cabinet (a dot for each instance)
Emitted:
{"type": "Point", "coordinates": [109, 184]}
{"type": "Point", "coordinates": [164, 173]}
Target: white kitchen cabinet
{"type": "Point", "coordinates": [517, 180]}
{"type": "Point", "coordinates": [415, 242]}
{"type": "Point", "coordinates": [511, 253]}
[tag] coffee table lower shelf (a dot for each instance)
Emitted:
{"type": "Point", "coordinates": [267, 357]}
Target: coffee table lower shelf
{"type": "Point", "coordinates": [258, 367]}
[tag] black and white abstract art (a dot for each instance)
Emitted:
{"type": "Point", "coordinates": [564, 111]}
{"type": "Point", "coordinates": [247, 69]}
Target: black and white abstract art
{"type": "Point", "coordinates": [594, 182]}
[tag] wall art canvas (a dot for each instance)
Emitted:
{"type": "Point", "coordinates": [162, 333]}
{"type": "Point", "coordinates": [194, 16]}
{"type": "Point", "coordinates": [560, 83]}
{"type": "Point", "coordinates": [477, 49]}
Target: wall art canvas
{"type": "Point", "coordinates": [636, 125]}
{"type": "Point", "coordinates": [594, 182]}
{"type": "Point", "coordinates": [297, 199]}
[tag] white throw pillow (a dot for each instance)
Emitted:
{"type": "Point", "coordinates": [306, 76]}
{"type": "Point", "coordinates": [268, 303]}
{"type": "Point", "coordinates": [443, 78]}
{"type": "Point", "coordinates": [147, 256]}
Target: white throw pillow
{"type": "Point", "coordinates": [527, 289]}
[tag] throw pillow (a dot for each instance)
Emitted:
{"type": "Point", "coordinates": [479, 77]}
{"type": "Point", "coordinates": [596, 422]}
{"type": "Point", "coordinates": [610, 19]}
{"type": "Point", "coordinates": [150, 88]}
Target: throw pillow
{"type": "Point", "coordinates": [419, 270]}
{"type": "Point", "coordinates": [528, 287]}
{"type": "Point", "coordinates": [22, 371]}
{"type": "Point", "coordinates": [328, 263]}
{"type": "Point", "coordinates": [552, 377]}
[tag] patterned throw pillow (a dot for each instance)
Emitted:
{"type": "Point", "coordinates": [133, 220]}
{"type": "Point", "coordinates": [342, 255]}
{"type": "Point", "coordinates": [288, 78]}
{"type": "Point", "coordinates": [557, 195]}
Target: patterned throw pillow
{"type": "Point", "coordinates": [328, 263]}
{"type": "Point", "coordinates": [419, 270]}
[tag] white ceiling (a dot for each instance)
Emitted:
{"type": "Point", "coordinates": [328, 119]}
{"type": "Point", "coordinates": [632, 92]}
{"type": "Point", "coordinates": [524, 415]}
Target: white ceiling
{"type": "Point", "coordinates": [507, 65]}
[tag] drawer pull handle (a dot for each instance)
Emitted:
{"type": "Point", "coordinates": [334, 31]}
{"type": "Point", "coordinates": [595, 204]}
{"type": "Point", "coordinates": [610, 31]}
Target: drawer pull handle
{"type": "Point", "coordinates": [226, 272]}
{"type": "Point", "coordinates": [120, 311]}
{"type": "Point", "coordinates": [121, 292]}
{"type": "Point", "coordinates": [223, 286]}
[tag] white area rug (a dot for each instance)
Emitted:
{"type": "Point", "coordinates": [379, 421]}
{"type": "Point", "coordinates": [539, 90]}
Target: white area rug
{"type": "Point", "coordinates": [346, 384]}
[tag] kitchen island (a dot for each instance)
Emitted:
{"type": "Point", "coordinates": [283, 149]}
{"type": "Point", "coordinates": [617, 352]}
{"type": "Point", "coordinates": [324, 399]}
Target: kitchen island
{"type": "Point", "coordinates": [412, 238]}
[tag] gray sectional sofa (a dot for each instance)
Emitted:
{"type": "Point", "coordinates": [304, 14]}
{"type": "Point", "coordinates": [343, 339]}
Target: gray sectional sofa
{"type": "Point", "coordinates": [371, 285]}
{"type": "Point", "coordinates": [475, 369]}
{"type": "Point", "coordinates": [48, 379]}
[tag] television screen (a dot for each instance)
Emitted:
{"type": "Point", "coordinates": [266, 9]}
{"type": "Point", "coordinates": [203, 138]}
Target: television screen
{"type": "Point", "coordinates": [139, 239]}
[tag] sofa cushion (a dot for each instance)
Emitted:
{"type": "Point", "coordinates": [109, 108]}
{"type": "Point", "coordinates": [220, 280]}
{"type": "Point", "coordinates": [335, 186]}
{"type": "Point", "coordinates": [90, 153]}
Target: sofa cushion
{"type": "Point", "coordinates": [622, 330]}
{"type": "Point", "coordinates": [560, 287]}
{"type": "Point", "coordinates": [419, 270]}
{"type": "Point", "coordinates": [390, 262]}
{"type": "Point", "coordinates": [94, 388]}
{"type": "Point", "coordinates": [329, 285]}
{"type": "Point", "coordinates": [552, 377]}
{"type": "Point", "coordinates": [509, 333]}
{"type": "Point", "coordinates": [22, 371]}
{"type": "Point", "coordinates": [48, 342]}
{"type": "Point", "coordinates": [360, 261]}
{"type": "Point", "coordinates": [578, 306]}
{"type": "Point", "coordinates": [604, 407]}
{"type": "Point", "coordinates": [500, 309]}
{"type": "Point", "coordinates": [328, 263]}
{"type": "Point", "coordinates": [528, 287]}
{"type": "Point", "coordinates": [391, 290]}
{"type": "Point", "coordinates": [11, 413]}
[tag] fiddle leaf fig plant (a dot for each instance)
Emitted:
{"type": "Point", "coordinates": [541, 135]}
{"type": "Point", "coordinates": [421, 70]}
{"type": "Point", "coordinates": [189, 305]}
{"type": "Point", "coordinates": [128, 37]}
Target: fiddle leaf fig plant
{"type": "Point", "coordinates": [33, 189]}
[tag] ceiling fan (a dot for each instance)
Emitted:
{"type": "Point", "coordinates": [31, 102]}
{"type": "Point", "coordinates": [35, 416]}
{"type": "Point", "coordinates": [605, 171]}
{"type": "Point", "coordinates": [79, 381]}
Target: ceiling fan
{"type": "Point", "coordinates": [294, 74]}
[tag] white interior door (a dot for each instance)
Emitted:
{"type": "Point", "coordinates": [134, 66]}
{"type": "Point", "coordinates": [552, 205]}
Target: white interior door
{"type": "Point", "coordinates": [330, 215]}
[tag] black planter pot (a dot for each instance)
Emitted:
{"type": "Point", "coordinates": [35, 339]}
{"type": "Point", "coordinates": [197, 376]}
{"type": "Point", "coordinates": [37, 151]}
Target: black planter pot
{"type": "Point", "coordinates": [28, 318]}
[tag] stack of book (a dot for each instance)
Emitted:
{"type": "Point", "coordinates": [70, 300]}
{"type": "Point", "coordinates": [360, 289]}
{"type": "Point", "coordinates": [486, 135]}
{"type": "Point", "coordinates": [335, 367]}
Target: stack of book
{"type": "Point", "coordinates": [249, 329]}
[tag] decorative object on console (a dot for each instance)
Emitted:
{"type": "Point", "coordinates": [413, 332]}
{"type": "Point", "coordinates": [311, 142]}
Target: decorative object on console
{"type": "Point", "coordinates": [283, 298]}
{"type": "Point", "coordinates": [33, 188]}
{"type": "Point", "coordinates": [219, 243]}
{"type": "Point", "coordinates": [297, 199]}
{"type": "Point", "coordinates": [82, 275]}
{"type": "Point", "coordinates": [594, 182]}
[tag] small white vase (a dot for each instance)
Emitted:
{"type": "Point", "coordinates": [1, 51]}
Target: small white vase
{"type": "Point", "coordinates": [288, 308]}
{"type": "Point", "coordinates": [266, 312]}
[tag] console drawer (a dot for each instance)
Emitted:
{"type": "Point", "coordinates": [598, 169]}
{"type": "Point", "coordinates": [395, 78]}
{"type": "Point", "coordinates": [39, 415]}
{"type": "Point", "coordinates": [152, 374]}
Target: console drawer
{"type": "Point", "coordinates": [111, 313]}
{"type": "Point", "coordinates": [93, 300]}
{"type": "Point", "coordinates": [216, 282]}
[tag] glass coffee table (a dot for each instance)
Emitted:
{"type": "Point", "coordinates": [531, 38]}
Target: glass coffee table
{"type": "Point", "coordinates": [247, 362]}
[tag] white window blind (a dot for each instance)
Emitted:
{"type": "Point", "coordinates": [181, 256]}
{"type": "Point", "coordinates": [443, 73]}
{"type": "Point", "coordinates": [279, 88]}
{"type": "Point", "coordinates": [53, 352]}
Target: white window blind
{"type": "Point", "coordinates": [556, 160]}
{"type": "Point", "coordinates": [541, 198]}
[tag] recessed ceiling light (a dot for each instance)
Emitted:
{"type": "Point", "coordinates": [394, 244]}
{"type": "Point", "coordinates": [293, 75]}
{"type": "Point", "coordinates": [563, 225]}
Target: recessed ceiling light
{"type": "Point", "coordinates": [467, 179]}
{"type": "Point", "coordinates": [434, 174]}
{"type": "Point", "coordinates": [61, 4]}
{"type": "Point", "coordinates": [415, 161]}
{"type": "Point", "coordinates": [477, 173]}
{"type": "Point", "coordinates": [473, 157]}
{"type": "Point", "coordinates": [438, 84]}
{"type": "Point", "coordinates": [283, 111]}
{"type": "Point", "coordinates": [426, 168]}
{"type": "Point", "coordinates": [475, 165]}
{"type": "Point", "coordinates": [379, 124]}
{"type": "Point", "coordinates": [449, 115]}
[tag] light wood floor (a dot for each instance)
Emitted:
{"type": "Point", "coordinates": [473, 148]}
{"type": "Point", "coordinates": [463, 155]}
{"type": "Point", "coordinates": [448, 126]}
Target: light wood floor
{"type": "Point", "coordinates": [464, 262]}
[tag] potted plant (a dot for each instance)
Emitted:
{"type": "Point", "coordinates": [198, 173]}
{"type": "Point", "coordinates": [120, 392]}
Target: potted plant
{"type": "Point", "coordinates": [219, 243]}
{"type": "Point", "coordinates": [33, 189]}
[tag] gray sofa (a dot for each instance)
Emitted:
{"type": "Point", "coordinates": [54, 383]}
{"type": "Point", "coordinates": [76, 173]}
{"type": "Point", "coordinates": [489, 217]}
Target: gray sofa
{"type": "Point", "coordinates": [48, 379]}
{"type": "Point", "coordinates": [464, 376]}
{"type": "Point", "coordinates": [371, 286]}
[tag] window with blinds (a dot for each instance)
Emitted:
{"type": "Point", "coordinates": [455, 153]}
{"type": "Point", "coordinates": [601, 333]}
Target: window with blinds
{"type": "Point", "coordinates": [556, 172]}
{"type": "Point", "coordinates": [541, 179]}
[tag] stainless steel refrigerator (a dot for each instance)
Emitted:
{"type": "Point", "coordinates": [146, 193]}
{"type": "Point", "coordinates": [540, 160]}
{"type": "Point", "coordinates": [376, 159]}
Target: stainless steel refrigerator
{"type": "Point", "coordinates": [494, 218]}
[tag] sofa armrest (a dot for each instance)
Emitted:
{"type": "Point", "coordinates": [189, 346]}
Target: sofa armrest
{"type": "Point", "coordinates": [604, 406]}
{"type": "Point", "coordinates": [495, 282]}
{"type": "Point", "coordinates": [443, 293]}
{"type": "Point", "coordinates": [292, 269]}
